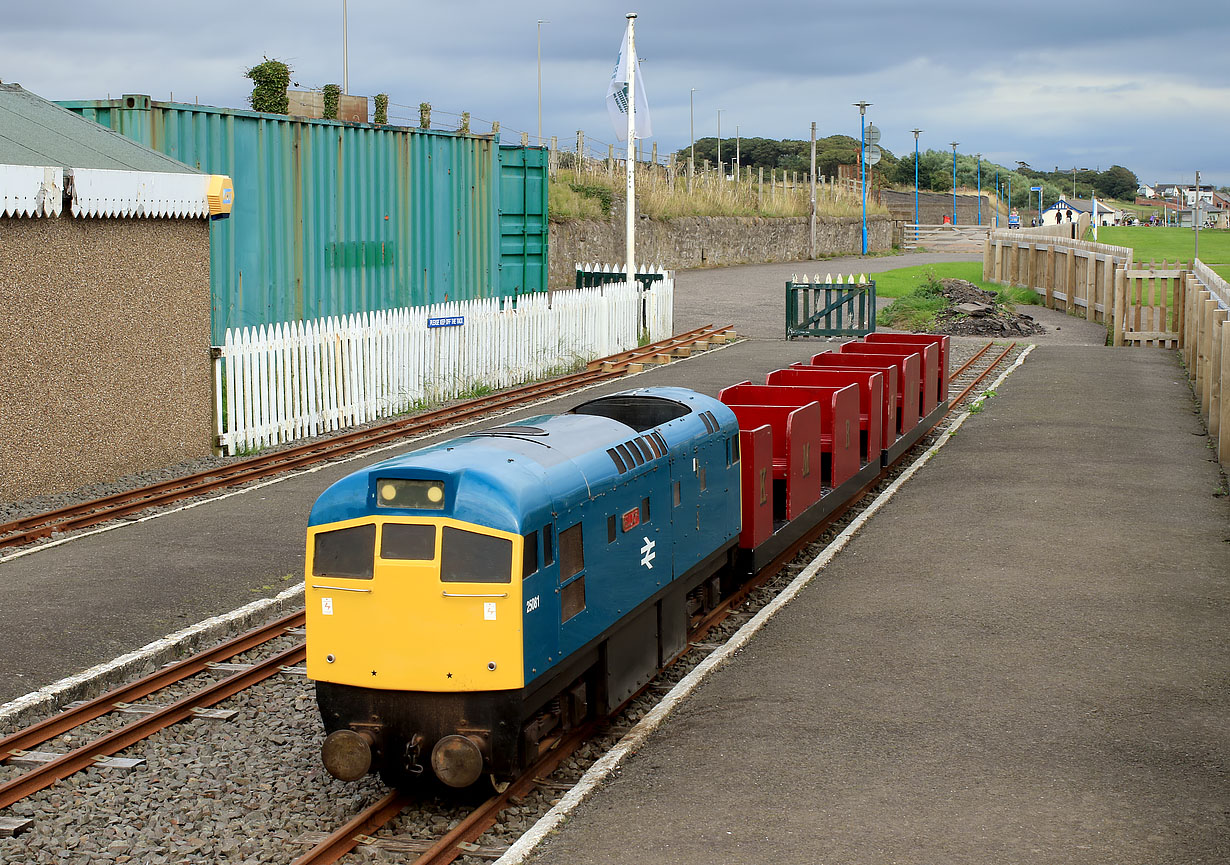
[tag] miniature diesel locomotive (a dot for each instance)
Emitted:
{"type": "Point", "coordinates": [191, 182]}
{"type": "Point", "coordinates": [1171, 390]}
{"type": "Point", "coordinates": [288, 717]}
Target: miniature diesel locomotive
{"type": "Point", "coordinates": [468, 602]}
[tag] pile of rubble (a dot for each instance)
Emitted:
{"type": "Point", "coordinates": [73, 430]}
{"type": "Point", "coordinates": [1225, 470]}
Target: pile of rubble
{"type": "Point", "coordinates": [974, 312]}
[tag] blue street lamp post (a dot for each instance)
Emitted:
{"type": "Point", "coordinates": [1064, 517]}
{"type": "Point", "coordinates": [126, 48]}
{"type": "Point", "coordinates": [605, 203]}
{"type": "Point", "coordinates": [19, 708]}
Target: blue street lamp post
{"type": "Point", "coordinates": [997, 192]}
{"type": "Point", "coordinates": [916, 131]}
{"type": "Point", "coordinates": [862, 160]}
{"type": "Point", "coordinates": [979, 156]}
{"type": "Point", "coordinates": [954, 181]}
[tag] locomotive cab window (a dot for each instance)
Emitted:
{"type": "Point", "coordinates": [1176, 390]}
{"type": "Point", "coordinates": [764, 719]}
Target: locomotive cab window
{"type": "Point", "coordinates": [571, 552]}
{"type": "Point", "coordinates": [548, 546]}
{"type": "Point", "coordinates": [345, 553]}
{"type": "Point", "coordinates": [401, 541]}
{"type": "Point", "coordinates": [468, 557]}
{"type": "Point", "coordinates": [529, 557]}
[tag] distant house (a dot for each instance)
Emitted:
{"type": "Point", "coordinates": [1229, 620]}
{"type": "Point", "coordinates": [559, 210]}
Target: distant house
{"type": "Point", "coordinates": [1060, 210]}
{"type": "Point", "coordinates": [1146, 191]}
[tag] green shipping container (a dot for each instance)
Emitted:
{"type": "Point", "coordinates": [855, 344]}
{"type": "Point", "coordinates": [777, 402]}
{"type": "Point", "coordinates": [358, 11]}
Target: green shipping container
{"type": "Point", "coordinates": [332, 218]}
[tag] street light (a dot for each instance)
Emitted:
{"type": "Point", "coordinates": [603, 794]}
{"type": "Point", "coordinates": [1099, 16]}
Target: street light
{"type": "Point", "coordinates": [736, 171]}
{"type": "Point", "coordinates": [540, 23]}
{"type": "Point", "coordinates": [862, 161]}
{"type": "Point", "coordinates": [979, 157]}
{"type": "Point", "coordinates": [916, 131]}
{"type": "Point", "coordinates": [954, 180]}
{"type": "Point", "coordinates": [719, 165]}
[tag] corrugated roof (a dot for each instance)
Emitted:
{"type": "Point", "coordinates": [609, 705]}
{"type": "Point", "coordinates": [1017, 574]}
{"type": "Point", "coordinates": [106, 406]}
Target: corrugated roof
{"type": "Point", "coordinates": [34, 131]}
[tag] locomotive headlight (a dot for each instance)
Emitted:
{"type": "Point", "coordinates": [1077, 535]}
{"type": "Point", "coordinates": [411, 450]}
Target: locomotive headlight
{"type": "Point", "coordinates": [408, 493]}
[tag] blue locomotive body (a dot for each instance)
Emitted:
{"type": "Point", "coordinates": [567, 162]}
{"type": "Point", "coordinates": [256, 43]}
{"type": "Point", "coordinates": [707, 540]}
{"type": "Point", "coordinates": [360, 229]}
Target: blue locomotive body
{"type": "Point", "coordinates": [589, 528]}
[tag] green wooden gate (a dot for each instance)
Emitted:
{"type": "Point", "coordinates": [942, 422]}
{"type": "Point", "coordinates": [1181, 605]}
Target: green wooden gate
{"type": "Point", "coordinates": [830, 309]}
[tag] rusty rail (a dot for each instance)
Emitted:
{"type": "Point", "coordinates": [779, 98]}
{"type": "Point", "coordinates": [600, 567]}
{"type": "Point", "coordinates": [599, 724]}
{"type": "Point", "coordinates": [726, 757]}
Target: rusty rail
{"type": "Point", "coordinates": [29, 529]}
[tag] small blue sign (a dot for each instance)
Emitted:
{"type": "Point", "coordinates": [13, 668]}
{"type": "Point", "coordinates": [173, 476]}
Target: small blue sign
{"type": "Point", "coordinates": [447, 321]}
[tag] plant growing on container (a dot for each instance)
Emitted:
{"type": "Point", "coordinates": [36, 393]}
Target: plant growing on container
{"type": "Point", "coordinates": [271, 79]}
{"type": "Point", "coordinates": [333, 94]}
{"type": "Point", "coordinates": [382, 109]}
{"type": "Point", "coordinates": [424, 115]}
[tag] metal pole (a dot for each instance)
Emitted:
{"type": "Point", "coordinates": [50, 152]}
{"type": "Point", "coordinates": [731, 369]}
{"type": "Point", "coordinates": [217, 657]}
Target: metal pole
{"type": "Point", "coordinates": [997, 198]}
{"type": "Point", "coordinates": [811, 250]}
{"type": "Point", "coordinates": [630, 239]}
{"type": "Point", "coordinates": [345, 59]}
{"type": "Point", "coordinates": [720, 110]}
{"type": "Point", "coordinates": [692, 123]}
{"type": "Point", "coordinates": [1196, 220]}
{"type": "Point", "coordinates": [540, 23]}
{"type": "Point", "coordinates": [736, 171]}
{"type": "Point", "coordinates": [954, 181]}
{"type": "Point", "coordinates": [979, 155]}
{"type": "Point", "coordinates": [862, 160]}
{"type": "Point", "coordinates": [916, 131]}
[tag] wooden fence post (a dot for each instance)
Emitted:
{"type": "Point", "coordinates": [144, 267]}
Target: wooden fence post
{"type": "Point", "coordinates": [1091, 275]}
{"type": "Point", "coordinates": [1180, 313]}
{"type": "Point", "coordinates": [1120, 309]}
{"type": "Point", "coordinates": [1200, 350]}
{"type": "Point", "coordinates": [1215, 379]}
{"type": "Point", "coordinates": [1206, 345]}
{"type": "Point", "coordinates": [1223, 439]}
{"type": "Point", "coordinates": [1108, 290]}
{"type": "Point", "coordinates": [1069, 285]}
{"type": "Point", "coordinates": [988, 256]}
{"type": "Point", "coordinates": [1049, 275]}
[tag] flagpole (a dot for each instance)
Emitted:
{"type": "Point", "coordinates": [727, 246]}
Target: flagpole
{"type": "Point", "coordinates": [630, 239]}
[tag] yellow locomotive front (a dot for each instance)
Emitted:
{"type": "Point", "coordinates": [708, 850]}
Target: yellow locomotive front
{"type": "Point", "coordinates": [410, 613]}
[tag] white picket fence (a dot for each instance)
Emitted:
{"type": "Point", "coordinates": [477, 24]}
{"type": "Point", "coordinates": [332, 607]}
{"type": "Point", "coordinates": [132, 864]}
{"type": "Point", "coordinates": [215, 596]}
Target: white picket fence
{"type": "Point", "coordinates": [294, 380]}
{"type": "Point", "coordinates": [657, 313]}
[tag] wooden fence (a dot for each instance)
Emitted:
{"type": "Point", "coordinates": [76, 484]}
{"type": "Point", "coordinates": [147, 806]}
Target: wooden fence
{"type": "Point", "coordinates": [1166, 304]}
{"type": "Point", "coordinates": [1072, 275]}
{"type": "Point", "coordinates": [299, 379]}
{"type": "Point", "coordinates": [945, 237]}
{"type": "Point", "coordinates": [1206, 351]}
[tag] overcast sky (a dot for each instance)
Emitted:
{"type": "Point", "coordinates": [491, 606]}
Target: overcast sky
{"type": "Point", "coordinates": [1078, 83]}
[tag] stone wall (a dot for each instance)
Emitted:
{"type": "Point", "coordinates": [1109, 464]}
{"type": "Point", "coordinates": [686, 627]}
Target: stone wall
{"type": "Point", "coordinates": [934, 207]}
{"type": "Point", "coordinates": [716, 241]}
{"type": "Point", "coordinates": [104, 346]}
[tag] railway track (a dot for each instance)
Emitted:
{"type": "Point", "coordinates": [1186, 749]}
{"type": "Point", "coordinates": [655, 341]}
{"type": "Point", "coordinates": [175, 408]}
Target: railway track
{"type": "Point", "coordinates": [454, 845]}
{"type": "Point", "coordinates": [29, 529]}
{"type": "Point", "coordinates": [462, 838]}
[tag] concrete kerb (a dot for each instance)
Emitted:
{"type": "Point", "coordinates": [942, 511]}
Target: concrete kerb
{"type": "Point", "coordinates": [85, 685]}
{"type": "Point", "coordinates": [636, 737]}
{"type": "Point", "coordinates": [32, 707]}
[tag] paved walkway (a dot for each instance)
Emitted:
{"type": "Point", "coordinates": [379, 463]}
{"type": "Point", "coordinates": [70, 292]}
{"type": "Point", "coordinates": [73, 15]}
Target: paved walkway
{"type": "Point", "coordinates": [1022, 657]}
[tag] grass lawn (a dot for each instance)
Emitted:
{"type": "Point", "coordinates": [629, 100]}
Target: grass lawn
{"type": "Point", "coordinates": [1169, 243]}
{"type": "Point", "coordinates": [903, 280]}
{"type": "Point", "coordinates": [915, 310]}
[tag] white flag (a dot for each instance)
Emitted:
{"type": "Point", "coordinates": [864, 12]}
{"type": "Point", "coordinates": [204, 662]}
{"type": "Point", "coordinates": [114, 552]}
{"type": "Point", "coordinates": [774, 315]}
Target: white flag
{"type": "Point", "coordinates": [617, 92]}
